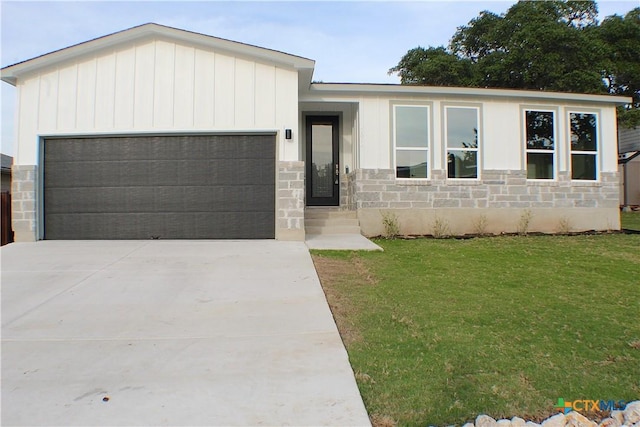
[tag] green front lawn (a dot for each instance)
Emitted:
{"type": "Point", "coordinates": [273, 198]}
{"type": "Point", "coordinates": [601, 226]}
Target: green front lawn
{"type": "Point", "coordinates": [630, 220]}
{"type": "Point", "coordinates": [439, 331]}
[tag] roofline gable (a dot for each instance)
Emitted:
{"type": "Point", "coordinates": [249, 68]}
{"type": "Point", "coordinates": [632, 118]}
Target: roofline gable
{"type": "Point", "coordinates": [11, 73]}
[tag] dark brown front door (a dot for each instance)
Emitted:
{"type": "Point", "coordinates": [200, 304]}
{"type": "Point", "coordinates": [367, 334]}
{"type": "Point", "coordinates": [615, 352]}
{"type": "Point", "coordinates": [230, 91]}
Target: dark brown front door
{"type": "Point", "coordinates": [323, 170]}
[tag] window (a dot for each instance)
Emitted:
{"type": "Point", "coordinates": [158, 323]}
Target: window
{"type": "Point", "coordinates": [411, 139]}
{"type": "Point", "coordinates": [462, 142]}
{"type": "Point", "coordinates": [540, 144]}
{"type": "Point", "coordinates": [584, 146]}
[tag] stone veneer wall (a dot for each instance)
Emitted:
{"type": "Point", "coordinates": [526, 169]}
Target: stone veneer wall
{"type": "Point", "coordinates": [348, 191]}
{"type": "Point", "coordinates": [24, 203]}
{"type": "Point", "coordinates": [501, 196]}
{"type": "Point", "coordinates": [290, 201]}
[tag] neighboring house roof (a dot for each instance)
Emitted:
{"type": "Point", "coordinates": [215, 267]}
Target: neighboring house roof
{"type": "Point", "coordinates": [5, 163]}
{"type": "Point", "coordinates": [628, 140]}
{"type": "Point", "coordinates": [303, 65]}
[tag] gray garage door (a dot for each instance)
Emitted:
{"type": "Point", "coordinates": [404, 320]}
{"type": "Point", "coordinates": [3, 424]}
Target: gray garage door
{"type": "Point", "coordinates": [167, 187]}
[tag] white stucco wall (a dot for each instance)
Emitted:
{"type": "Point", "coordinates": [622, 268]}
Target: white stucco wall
{"type": "Point", "coordinates": [156, 85]}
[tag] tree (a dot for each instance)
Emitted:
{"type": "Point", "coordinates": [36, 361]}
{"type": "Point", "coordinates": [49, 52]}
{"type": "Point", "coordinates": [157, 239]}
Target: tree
{"type": "Point", "coordinates": [621, 70]}
{"type": "Point", "coordinates": [537, 45]}
{"type": "Point", "coordinates": [434, 66]}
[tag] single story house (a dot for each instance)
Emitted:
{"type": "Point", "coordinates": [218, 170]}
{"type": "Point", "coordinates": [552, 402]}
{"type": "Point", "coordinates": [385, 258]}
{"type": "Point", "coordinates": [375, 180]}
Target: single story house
{"type": "Point", "coordinates": [157, 132]}
{"type": "Point", "coordinates": [629, 160]}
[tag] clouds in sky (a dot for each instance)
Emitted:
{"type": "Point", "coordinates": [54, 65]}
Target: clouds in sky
{"type": "Point", "coordinates": [352, 41]}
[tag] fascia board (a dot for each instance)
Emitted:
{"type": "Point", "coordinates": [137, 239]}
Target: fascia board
{"type": "Point", "coordinates": [319, 90]}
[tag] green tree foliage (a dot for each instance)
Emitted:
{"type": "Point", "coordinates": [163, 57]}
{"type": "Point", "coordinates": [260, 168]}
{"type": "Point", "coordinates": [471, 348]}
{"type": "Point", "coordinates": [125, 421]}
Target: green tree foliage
{"type": "Point", "coordinates": [621, 69]}
{"type": "Point", "coordinates": [538, 45]}
{"type": "Point", "coordinates": [435, 66]}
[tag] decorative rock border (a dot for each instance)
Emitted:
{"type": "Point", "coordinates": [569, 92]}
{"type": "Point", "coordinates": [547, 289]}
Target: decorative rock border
{"type": "Point", "coordinates": [629, 417]}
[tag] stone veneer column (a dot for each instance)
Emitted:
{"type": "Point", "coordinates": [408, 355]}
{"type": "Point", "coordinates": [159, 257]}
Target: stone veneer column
{"type": "Point", "coordinates": [290, 201]}
{"type": "Point", "coordinates": [24, 213]}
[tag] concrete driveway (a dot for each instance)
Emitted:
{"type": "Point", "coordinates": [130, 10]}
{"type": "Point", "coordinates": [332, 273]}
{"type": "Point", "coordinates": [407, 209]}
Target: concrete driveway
{"type": "Point", "coordinates": [170, 333]}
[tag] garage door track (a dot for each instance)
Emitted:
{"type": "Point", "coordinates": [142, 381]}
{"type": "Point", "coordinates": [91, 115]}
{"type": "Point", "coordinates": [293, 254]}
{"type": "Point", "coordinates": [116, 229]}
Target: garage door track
{"type": "Point", "coordinates": [170, 333]}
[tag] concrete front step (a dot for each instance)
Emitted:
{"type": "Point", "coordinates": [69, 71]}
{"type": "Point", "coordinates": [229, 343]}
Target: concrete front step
{"type": "Point", "coordinates": [330, 221]}
{"type": "Point", "coordinates": [324, 213]}
{"type": "Point", "coordinates": [333, 229]}
{"type": "Point", "coordinates": [322, 222]}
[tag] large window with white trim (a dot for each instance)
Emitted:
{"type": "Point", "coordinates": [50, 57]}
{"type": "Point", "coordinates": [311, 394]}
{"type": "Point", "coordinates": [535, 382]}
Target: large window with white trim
{"type": "Point", "coordinates": [411, 140]}
{"type": "Point", "coordinates": [584, 146]}
{"type": "Point", "coordinates": [540, 144]}
{"type": "Point", "coordinates": [462, 141]}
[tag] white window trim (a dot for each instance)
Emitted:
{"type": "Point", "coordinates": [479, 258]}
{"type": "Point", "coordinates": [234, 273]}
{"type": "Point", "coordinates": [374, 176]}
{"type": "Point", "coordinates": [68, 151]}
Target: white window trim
{"type": "Point", "coordinates": [595, 153]}
{"type": "Point", "coordinates": [538, 150]}
{"type": "Point", "coordinates": [427, 149]}
{"type": "Point", "coordinates": [446, 144]}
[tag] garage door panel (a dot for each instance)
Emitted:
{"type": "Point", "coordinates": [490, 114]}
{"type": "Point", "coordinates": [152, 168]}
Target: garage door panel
{"type": "Point", "coordinates": [157, 148]}
{"type": "Point", "coordinates": [230, 198]}
{"type": "Point", "coordinates": [192, 225]}
{"type": "Point", "coordinates": [127, 173]}
{"type": "Point", "coordinates": [168, 187]}
{"type": "Point", "coordinates": [103, 226]}
{"type": "Point", "coordinates": [109, 173]}
{"type": "Point", "coordinates": [160, 199]}
{"type": "Point", "coordinates": [254, 225]}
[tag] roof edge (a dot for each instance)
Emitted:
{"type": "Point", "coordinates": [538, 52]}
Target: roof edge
{"type": "Point", "coordinates": [10, 73]}
{"type": "Point", "coordinates": [394, 88]}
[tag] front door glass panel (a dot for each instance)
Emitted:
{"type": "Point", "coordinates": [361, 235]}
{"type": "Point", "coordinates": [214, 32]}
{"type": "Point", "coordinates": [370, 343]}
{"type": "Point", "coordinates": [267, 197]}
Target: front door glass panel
{"type": "Point", "coordinates": [321, 161]}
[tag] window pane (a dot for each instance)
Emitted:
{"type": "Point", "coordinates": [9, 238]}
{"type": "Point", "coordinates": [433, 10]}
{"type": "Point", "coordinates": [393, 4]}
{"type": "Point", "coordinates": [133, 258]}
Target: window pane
{"type": "Point", "coordinates": [321, 160]}
{"type": "Point", "coordinates": [462, 164]}
{"type": "Point", "coordinates": [583, 166]}
{"type": "Point", "coordinates": [462, 128]}
{"type": "Point", "coordinates": [539, 166]}
{"type": "Point", "coordinates": [411, 126]}
{"type": "Point", "coordinates": [583, 132]}
{"type": "Point", "coordinates": [411, 163]}
{"type": "Point", "coordinates": [540, 130]}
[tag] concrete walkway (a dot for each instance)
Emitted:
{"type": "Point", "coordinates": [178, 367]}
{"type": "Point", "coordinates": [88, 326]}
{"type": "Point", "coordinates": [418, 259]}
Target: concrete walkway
{"type": "Point", "coordinates": [170, 333]}
{"type": "Point", "coordinates": [341, 242]}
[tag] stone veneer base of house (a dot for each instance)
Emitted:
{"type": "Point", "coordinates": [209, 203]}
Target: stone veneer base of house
{"type": "Point", "coordinates": [290, 201]}
{"type": "Point", "coordinates": [460, 221]}
{"type": "Point", "coordinates": [501, 199]}
{"type": "Point", "coordinates": [24, 217]}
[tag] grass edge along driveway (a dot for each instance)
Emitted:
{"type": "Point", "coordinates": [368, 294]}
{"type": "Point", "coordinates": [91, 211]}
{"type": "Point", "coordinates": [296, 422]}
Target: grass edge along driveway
{"type": "Point", "coordinates": [439, 331]}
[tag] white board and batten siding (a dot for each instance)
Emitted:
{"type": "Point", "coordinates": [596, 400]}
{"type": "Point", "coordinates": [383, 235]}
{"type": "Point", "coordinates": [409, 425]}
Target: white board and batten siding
{"type": "Point", "coordinates": [157, 86]}
{"type": "Point", "coordinates": [501, 130]}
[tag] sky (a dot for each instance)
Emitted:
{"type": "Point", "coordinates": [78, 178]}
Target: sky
{"type": "Point", "coordinates": [351, 41]}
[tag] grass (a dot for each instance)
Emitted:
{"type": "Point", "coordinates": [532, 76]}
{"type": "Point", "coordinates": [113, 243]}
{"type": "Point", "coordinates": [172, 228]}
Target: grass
{"type": "Point", "coordinates": [439, 331]}
{"type": "Point", "coordinates": [630, 220]}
